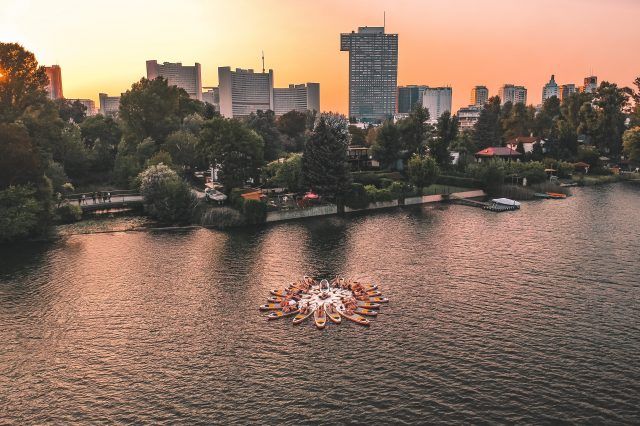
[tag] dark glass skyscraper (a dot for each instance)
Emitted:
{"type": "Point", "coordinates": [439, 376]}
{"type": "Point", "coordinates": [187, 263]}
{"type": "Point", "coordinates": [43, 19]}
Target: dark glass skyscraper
{"type": "Point", "coordinates": [373, 73]}
{"type": "Point", "coordinates": [408, 97]}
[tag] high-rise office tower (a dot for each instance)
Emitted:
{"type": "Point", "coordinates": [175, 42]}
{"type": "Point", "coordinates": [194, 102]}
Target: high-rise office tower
{"type": "Point", "coordinates": [550, 89]}
{"type": "Point", "coordinates": [479, 96]}
{"type": "Point", "coordinates": [513, 94]}
{"type": "Point", "coordinates": [566, 90]}
{"type": "Point", "coordinates": [211, 95]}
{"type": "Point", "coordinates": [244, 91]}
{"type": "Point", "coordinates": [373, 73]}
{"type": "Point", "coordinates": [437, 100]}
{"type": "Point", "coordinates": [469, 116]}
{"type": "Point", "coordinates": [408, 97]}
{"type": "Point", "coordinates": [296, 97]}
{"type": "Point", "coordinates": [54, 88]}
{"type": "Point", "coordinates": [590, 84]}
{"type": "Point", "coordinates": [186, 77]}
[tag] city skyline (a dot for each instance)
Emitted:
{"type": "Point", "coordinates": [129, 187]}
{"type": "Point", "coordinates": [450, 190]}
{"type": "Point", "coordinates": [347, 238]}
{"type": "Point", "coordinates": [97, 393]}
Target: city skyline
{"type": "Point", "coordinates": [502, 51]}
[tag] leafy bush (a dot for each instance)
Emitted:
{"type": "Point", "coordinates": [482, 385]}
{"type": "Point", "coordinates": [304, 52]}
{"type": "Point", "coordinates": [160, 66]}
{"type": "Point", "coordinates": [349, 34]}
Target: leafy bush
{"type": "Point", "coordinates": [235, 197]}
{"type": "Point", "coordinates": [69, 213]}
{"type": "Point", "coordinates": [422, 171]}
{"type": "Point", "coordinates": [385, 182]}
{"type": "Point", "coordinates": [491, 174]}
{"type": "Point", "coordinates": [254, 211]}
{"type": "Point", "coordinates": [378, 195]}
{"type": "Point", "coordinates": [366, 178]}
{"type": "Point", "coordinates": [166, 197]}
{"type": "Point", "coordinates": [221, 217]}
{"type": "Point", "coordinates": [401, 189]}
{"type": "Point", "coordinates": [19, 213]}
{"type": "Point", "coordinates": [357, 197]}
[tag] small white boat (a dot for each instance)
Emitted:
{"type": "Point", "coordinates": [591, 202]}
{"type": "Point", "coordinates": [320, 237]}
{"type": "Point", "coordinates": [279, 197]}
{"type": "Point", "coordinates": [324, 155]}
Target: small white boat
{"type": "Point", "coordinates": [506, 202]}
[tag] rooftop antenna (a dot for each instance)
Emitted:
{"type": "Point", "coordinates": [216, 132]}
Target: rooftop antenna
{"type": "Point", "coordinates": [263, 62]}
{"type": "Point", "coordinates": [384, 20]}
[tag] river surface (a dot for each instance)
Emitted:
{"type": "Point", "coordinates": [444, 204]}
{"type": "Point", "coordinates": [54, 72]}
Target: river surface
{"type": "Point", "coordinates": [530, 316]}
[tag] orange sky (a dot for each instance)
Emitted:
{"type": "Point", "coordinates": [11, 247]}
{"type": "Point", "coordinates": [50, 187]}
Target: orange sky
{"type": "Point", "coordinates": [103, 46]}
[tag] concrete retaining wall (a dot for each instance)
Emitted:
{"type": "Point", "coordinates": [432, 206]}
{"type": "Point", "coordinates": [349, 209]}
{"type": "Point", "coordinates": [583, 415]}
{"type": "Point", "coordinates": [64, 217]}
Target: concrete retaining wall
{"type": "Point", "coordinates": [302, 213]}
{"type": "Point", "coordinates": [374, 206]}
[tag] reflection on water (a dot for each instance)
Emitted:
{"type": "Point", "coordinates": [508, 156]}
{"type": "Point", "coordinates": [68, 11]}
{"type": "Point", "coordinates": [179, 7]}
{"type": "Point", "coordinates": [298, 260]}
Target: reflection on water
{"type": "Point", "coordinates": [530, 316]}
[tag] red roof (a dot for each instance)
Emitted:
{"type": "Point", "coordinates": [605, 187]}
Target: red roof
{"type": "Point", "coordinates": [497, 151]}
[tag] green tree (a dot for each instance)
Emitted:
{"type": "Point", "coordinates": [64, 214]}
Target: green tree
{"type": "Point", "coordinates": [234, 148]}
{"type": "Point", "coordinates": [19, 160]}
{"type": "Point", "coordinates": [288, 173]}
{"type": "Point", "coordinates": [100, 127]}
{"type": "Point", "coordinates": [422, 171]}
{"type": "Point", "coordinates": [264, 124]}
{"type": "Point", "coordinates": [488, 131]}
{"type": "Point", "coordinates": [324, 163]}
{"type": "Point", "coordinates": [388, 145]}
{"type": "Point", "coordinates": [71, 110]}
{"type": "Point", "coordinates": [611, 102]}
{"type": "Point", "coordinates": [22, 83]}
{"type": "Point", "coordinates": [446, 133]}
{"type": "Point", "coordinates": [414, 130]}
{"type": "Point", "coordinates": [358, 135]}
{"type": "Point", "coordinates": [166, 197]}
{"type": "Point", "coordinates": [631, 144]}
{"type": "Point", "coordinates": [183, 148]}
{"type": "Point", "coordinates": [71, 153]}
{"type": "Point", "coordinates": [153, 109]}
{"type": "Point", "coordinates": [544, 123]}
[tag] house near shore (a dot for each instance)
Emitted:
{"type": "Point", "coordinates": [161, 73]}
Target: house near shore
{"type": "Point", "coordinates": [500, 152]}
{"type": "Point", "coordinates": [527, 143]}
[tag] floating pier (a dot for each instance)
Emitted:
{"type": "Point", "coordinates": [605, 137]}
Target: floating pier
{"type": "Point", "coordinates": [492, 207]}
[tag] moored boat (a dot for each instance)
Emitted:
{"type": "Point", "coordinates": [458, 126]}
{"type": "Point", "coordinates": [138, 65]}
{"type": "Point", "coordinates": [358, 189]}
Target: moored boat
{"type": "Point", "coordinates": [278, 292]}
{"type": "Point", "coordinates": [506, 202]}
{"type": "Point", "coordinates": [367, 305]}
{"type": "Point", "coordinates": [556, 195]}
{"type": "Point", "coordinates": [378, 300]}
{"type": "Point", "coordinates": [541, 195]}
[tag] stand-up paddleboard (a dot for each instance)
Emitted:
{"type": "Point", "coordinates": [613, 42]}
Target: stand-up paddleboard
{"type": "Point", "coordinates": [367, 305]}
{"type": "Point", "coordinates": [354, 317]}
{"type": "Point", "coordinates": [333, 314]}
{"type": "Point", "coordinates": [301, 316]}
{"type": "Point", "coordinates": [368, 312]}
{"type": "Point", "coordinates": [320, 317]}
{"type": "Point", "coordinates": [270, 307]}
{"type": "Point", "coordinates": [279, 314]}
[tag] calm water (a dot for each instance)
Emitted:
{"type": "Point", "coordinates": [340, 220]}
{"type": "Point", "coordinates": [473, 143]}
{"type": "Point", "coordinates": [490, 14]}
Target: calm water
{"type": "Point", "coordinates": [530, 316]}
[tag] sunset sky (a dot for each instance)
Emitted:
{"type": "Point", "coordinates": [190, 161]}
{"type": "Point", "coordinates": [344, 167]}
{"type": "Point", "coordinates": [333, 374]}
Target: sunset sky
{"type": "Point", "coordinates": [103, 46]}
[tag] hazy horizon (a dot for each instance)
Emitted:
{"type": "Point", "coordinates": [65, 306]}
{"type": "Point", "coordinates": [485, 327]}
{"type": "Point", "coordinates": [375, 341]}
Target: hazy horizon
{"type": "Point", "coordinates": [461, 43]}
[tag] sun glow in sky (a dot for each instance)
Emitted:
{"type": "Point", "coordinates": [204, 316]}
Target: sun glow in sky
{"type": "Point", "coordinates": [103, 46]}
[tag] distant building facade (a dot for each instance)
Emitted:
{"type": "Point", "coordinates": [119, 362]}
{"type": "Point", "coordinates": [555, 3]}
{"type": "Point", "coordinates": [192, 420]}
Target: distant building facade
{"type": "Point", "coordinates": [244, 91]}
{"type": "Point", "coordinates": [373, 73]}
{"type": "Point", "coordinates": [109, 105]}
{"type": "Point", "coordinates": [54, 87]}
{"type": "Point", "coordinates": [211, 95]}
{"type": "Point", "coordinates": [469, 116]}
{"type": "Point", "coordinates": [296, 97]}
{"type": "Point", "coordinates": [479, 96]}
{"type": "Point", "coordinates": [88, 103]}
{"type": "Point", "coordinates": [437, 100]}
{"type": "Point", "coordinates": [186, 77]}
{"type": "Point", "coordinates": [566, 90]}
{"type": "Point", "coordinates": [513, 94]}
{"type": "Point", "coordinates": [408, 97]}
{"type": "Point", "coordinates": [550, 89]}
{"type": "Point", "coordinates": [590, 84]}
